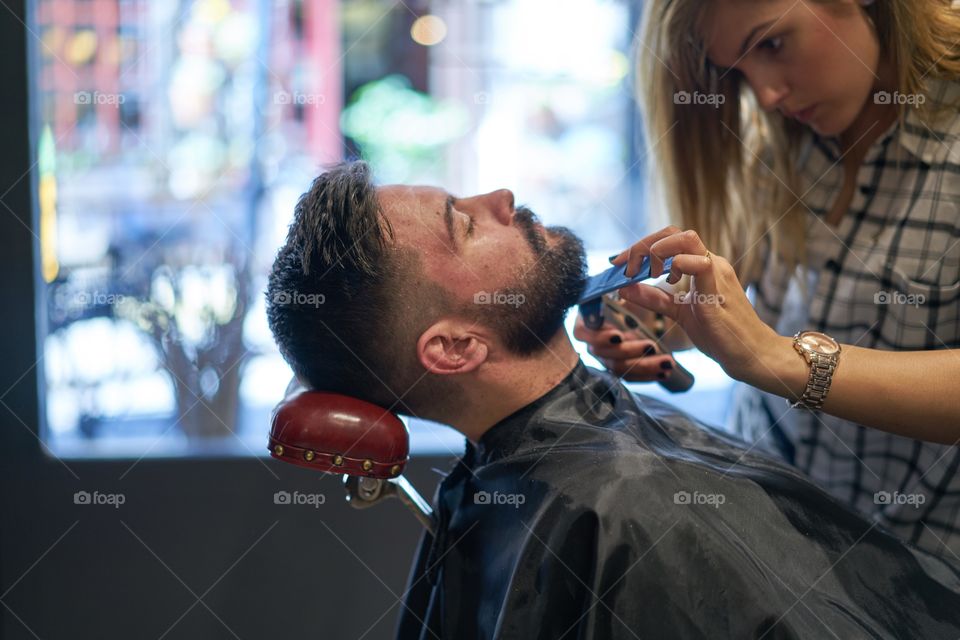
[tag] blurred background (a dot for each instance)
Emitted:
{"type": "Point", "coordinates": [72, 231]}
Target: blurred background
{"type": "Point", "coordinates": [156, 149]}
{"type": "Point", "coordinates": [173, 137]}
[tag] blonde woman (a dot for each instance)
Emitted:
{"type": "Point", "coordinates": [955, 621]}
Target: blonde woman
{"type": "Point", "coordinates": [812, 149]}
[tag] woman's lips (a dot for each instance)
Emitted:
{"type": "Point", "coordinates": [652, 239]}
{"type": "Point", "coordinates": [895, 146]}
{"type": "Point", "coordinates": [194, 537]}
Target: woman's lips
{"type": "Point", "coordinates": [805, 115]}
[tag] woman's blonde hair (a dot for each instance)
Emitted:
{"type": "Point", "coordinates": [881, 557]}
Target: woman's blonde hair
{"type": "Point", "coordinates": [729, 172]}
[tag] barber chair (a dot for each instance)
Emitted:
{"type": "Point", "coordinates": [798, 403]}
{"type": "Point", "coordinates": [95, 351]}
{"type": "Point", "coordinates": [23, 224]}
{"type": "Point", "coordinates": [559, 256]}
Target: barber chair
{"type": "Point", "coordinates": [365, 443]}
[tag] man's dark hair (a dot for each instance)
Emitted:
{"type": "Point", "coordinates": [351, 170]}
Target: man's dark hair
{"type": "Point", "coordinates": [346, 320]}
{"type": "Point", "coordinates": [333, 284]}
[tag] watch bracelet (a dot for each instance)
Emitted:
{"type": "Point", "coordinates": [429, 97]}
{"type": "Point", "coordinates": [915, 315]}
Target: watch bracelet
{"type": "Point", "coordinates": [818, 384]}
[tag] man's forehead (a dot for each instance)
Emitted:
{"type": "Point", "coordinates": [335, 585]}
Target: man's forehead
{"type": "Point", "coordinates": [416, 213]}
{"type": "Point", "coordinates": [406, 198]}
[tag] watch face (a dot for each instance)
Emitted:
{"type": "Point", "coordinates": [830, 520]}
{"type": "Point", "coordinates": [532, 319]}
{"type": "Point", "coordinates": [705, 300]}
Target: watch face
{"type": "Point", "coordinates": [819, 342]}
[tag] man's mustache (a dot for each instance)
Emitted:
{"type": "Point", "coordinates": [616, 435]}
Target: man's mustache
{"type": "Point", "coordinates": [526, 220]}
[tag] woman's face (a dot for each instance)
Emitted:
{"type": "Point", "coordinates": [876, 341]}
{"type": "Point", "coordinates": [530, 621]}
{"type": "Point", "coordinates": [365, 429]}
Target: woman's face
{"type": "Point", "coordinates": [814, 62]}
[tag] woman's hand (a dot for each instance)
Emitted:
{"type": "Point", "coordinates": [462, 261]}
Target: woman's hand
{"type": "Point", "coordinates": [909, 393]}
{"type": "Point", "coordinates": [624, 354]}
{"type": "Point", "coordinates": [715, 313]}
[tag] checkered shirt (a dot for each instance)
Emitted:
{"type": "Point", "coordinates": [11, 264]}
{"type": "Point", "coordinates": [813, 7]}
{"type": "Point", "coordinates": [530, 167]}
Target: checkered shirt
{"type": "Point", "coordinates": [886, 277]}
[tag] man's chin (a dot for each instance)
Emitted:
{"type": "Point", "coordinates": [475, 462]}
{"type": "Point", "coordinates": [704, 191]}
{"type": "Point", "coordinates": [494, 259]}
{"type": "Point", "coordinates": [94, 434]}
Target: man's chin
{"type": "Point", "coordinates": [554, 234]}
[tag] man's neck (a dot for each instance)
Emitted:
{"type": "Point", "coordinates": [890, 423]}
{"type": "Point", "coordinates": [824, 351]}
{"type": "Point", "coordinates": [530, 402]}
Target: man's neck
{"type": "Point", "coordinates": [507, 384]}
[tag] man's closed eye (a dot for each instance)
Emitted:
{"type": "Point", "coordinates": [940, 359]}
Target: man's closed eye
{"type": "Point", "coordinates": [470, 226]}
{"type": "Point", "coordinates": [469, 229]}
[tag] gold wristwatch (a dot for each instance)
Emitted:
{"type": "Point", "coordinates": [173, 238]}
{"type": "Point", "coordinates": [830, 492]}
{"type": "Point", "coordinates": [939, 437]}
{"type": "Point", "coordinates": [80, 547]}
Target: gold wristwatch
{"type": "Point", "coordinates": [822, 353]}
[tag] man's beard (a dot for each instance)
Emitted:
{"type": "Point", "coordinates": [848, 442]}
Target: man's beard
{"type": "Point", "coordinates": [529, 314]}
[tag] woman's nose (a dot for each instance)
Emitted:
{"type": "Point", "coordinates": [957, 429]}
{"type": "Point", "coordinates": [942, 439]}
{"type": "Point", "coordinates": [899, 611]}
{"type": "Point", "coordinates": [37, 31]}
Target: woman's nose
{"type": "Point", "coordinates": [769, 91]}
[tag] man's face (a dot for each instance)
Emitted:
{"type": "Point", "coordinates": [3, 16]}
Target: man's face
{"type": "Point", "coordinates": [499, 263]}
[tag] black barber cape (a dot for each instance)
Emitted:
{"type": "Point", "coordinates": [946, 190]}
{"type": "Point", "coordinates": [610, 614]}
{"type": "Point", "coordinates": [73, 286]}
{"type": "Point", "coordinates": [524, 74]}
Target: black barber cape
{"type": "Point", "coordinates": [595, 513]}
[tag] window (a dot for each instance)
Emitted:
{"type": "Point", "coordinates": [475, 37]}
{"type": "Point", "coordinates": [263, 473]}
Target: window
{"type": "Point", "coordinates": [172, 140]}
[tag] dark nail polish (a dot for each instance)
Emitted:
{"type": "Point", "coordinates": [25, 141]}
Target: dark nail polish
{"type": "Point", "coordinates": [615, 339]}
{"type": "Point", "coordinates": [612, 257]}
{"type": "Point", "coordinates": [662, 376]}
{"type": "Point", "coordinates": [666, 364]}
{"type": "Point", "coordinates": [649, 351]}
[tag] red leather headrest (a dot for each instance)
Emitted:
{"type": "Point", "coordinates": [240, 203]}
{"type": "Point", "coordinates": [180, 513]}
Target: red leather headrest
{"type": "Point", "coordinates": [339, 434]}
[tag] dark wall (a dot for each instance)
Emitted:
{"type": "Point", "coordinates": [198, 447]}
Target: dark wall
{"type": "Point", "coordinates": [199, 528]}
{"type": "Point", "coordinates": [189, 529]}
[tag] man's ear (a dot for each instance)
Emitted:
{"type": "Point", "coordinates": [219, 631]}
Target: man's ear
{"type": "Point", "coordinates": [452, 346]}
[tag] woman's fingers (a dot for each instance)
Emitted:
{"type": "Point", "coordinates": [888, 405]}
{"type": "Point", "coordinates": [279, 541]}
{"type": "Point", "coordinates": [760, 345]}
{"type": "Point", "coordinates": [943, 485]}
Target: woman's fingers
{"type": "Point", "coordinates": [624, 350]}
{"type": "Point", "coordinates": [651, 298]}
{"type": "Point", "coordinates": [699, 266]}
{"type": "Point", "coordinates": [634, 255]}
{"type": "Point", "coordinates": [606, 334]}
{"type": "Point", "coordinates": [610, 342]}
{"type": "Point", "coordinates": [641, 370]}
{"type": "Point", "coordinates": [684, 242]}
{"type": "Point", "coordinates": [635, 360]}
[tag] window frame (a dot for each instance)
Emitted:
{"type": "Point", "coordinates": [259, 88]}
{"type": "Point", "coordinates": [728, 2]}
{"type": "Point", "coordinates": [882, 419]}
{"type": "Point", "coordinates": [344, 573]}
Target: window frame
{"type": "Point", "coordinates": [21, 375]}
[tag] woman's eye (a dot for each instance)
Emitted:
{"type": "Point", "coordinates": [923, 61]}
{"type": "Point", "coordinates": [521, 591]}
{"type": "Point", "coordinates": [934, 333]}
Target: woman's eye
{"type": "Point", "coordinates": [771, 44]}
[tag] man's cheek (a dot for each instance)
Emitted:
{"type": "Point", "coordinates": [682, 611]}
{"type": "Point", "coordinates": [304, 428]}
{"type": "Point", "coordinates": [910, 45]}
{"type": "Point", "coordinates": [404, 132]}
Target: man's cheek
{"type": "Point", "coordinates": [457, 277]}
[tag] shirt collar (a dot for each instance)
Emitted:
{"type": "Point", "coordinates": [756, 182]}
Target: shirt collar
{"type": "Point", "coordinates": [938, 141]}
{"type": "Point", "coordinates": [513, 432]}
{"type": "Point", "coordinates": [585, 398]}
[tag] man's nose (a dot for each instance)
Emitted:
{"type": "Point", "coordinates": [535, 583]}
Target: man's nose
{"type": "Point", "coordinates": [501, 205]}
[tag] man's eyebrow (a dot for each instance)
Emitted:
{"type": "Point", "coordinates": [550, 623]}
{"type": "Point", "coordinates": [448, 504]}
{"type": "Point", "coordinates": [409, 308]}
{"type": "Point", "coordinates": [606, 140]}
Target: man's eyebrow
{"type": "Point", "coordinates": [448, 218]}
{"type": "Point", "coordinates": [746, 41]}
